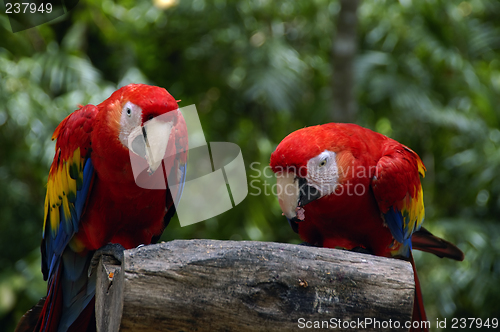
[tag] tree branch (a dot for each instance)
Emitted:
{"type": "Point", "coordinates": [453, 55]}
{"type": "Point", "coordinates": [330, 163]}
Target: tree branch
{"type": "Point", "coordinates": [207, 285]}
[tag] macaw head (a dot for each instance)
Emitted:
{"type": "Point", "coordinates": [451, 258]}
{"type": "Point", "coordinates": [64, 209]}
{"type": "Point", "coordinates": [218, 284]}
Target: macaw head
{"type": "Point", "coordinates": [306, 164]}
{"type": "Point", "coordinates": [143, 118]}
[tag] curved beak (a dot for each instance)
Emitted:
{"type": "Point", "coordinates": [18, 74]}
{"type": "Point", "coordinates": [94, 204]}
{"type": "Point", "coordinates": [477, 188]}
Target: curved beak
{"type": "Point", "coordinates": [293, 194]}
{"type": "Point", "coordinates": [150, 141]}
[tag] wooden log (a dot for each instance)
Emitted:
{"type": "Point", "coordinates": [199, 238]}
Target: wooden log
{"type": "Point", "coordinates": [207, 285]}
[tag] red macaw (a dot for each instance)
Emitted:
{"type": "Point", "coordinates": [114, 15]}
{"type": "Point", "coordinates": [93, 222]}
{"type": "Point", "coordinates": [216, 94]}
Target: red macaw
{"type": "Point", "coordinates": [92, 197]}
{"type": "Point", "coordinates": [342, 185]}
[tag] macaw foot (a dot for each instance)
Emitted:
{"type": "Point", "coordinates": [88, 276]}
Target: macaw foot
{"type": "Point", "coordinates": [362, 250]}
{"type": "Point", "coordinates": [111, 249]}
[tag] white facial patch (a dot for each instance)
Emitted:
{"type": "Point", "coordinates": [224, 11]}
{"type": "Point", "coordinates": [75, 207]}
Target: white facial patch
{"type": "Point", "coordinates": [130, 119]}
{"type": "Point", "coordinates": [323, 172]}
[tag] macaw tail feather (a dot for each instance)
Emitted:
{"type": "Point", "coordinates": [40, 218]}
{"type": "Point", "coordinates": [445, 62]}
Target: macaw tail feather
{"type": "Point", "coordinates": [83, 323]}
{"type": "Point", "coordinates": [70, 304]}
{"type": "Point", "coordinates": [50, 314]}
{"type": "Point", "coordinates": [425, 241]}
{"type": "Point", "coordinates": [86, 321]}
{"type": "Point", "coordinates": [418, 304]}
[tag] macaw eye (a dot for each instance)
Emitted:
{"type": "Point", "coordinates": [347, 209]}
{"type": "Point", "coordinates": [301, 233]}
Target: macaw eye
{"type": "Point", "coordinates": [129, 112]}
{"type": "Point", "coordinates": [322, 163]}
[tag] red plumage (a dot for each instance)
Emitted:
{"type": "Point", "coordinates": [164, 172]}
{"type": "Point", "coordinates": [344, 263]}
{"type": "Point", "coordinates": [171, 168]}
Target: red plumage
{"type": "Point", "coordinates": [117, 204]}
{"type": "Point", "coordinates": [93, 199]}
{"type": "Point", "coordinates": [368, 193]}
{"type": "Point", "coordinates": [337, 219]}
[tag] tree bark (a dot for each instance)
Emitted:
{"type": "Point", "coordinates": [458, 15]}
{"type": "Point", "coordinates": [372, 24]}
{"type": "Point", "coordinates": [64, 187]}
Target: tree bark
{"type": "Point", "coordinates": [344, 106]}
{"type": "Point", "coordinates": [206, 285]}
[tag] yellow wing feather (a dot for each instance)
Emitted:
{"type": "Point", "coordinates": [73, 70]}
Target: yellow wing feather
{"type": "Point", "coordinates": [62, 186]}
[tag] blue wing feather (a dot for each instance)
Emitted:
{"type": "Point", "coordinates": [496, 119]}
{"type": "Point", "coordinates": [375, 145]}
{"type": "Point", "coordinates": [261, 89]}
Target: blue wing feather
{"type": "Point", "coordinates": [396, 223]}
{"type": "Point", "coordinates": [88, 174]}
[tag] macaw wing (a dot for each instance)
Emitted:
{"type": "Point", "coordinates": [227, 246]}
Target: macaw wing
{"type": "Point", "coordinates": [397, 189]}
{"type": "Point", "coordinates": [69, 182]}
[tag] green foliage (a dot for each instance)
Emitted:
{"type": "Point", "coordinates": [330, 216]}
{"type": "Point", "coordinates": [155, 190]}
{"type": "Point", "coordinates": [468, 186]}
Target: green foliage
{"type": "Point", "coordinates": [427, 75]}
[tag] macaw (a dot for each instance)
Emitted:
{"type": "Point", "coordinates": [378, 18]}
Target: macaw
{"type": "Point", "coordinates": [92, 197]}
{"type": "Point", "coordinates": [345, 186]}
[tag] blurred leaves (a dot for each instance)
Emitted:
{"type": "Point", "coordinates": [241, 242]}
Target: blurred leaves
{"type": "Point", "coordinates": [469, 288]}
{"type": "Point", "coordinates": [427, 73]}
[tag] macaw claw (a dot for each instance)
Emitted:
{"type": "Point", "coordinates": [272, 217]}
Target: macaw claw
{"type": "Point", "coordinates": [111, 249]}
